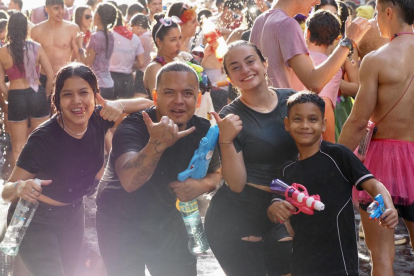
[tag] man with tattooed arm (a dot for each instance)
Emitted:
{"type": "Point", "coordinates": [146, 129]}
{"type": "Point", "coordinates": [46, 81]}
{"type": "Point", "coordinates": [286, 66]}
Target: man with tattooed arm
{"type": "Point", "coordinates": [137, 221]}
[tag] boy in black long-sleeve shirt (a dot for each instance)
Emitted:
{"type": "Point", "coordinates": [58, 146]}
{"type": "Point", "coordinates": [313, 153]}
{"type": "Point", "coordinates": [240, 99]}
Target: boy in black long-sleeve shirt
{"type": "Point", "coordinates": [324, 243]}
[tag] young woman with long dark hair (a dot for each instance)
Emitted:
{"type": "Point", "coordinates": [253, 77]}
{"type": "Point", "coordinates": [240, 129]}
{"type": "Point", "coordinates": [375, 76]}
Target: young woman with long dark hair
{"type": "Point", "coordinates": [66, 152]}
{"type": "Point", "coordinates": [100, 48]}
{"type": "Point", "coordinates": [167, 37]}
{"type": "Point", "coordinates": [83, 18]}
{"type": "Point", "coordinates": [253, 145]}
{"type": "Point", "coordinates": [27, 100]}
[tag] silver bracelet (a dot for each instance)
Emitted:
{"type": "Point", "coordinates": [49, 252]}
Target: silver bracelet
{"type": "Point", "coordinates": [123, 107]}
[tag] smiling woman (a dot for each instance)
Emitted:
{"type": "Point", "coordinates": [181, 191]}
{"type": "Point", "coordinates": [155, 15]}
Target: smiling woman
{"type": "Point", "coordinates": [67, 151]}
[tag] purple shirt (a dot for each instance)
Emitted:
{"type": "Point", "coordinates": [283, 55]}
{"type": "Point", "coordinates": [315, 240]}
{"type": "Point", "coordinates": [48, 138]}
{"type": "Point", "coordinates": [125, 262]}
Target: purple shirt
{"type": "Point", "coordinates": [279, 38]}
{"type": "Point", "coordinates": [100, 65]}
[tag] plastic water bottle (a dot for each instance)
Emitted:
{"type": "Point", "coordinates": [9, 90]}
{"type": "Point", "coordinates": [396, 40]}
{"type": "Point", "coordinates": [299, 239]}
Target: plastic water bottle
{"type": "Point", "coordinates": [213, 35]}
{"type": "Point", "coordinates": [195, 230]}
{"type": "Point", "coordinates": [18, 225]}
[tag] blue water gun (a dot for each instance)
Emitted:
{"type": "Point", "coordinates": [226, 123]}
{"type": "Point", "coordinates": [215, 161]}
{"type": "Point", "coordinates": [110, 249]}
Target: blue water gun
{"type": "Point", "coordinates": [202, 156]}
{"type": "Point", "coordinates": [376, 208]}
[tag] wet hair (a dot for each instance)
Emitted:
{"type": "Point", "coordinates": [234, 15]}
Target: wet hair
{"type": "Point", "coordinates": [324, 27]}
{"type": "Point", "coordinates": [71, 70]}
{"type": "Point", "coordinates": [134, 9]}
{"type": "Point", "coordinates": [19, 3]}
{"type": "Point", "coordinates": [352, 6]}
{"type": "Point", "coordinates": [77, 18]}
{"type": "Point", "coordinates": [144, 4]}
{"type": "Point", "coordinates": [345, 13]}
{"type": "Point", "coordinates": [16, 36]}
{"type": "Point", "coordinates": [333, 3]}
{"type": "Point", "coordinates": [175, 66]}
{"type": "Point", "coordinates": [162, 31]}
{"type": "Point", "coordinates": [3, 24]}
{"type": "Point", "coordinates": [123, 8]}
{"type": "Point", "coordinates": [303, 97]}
{"type": "Point", "coordinates": [54, 2]}
{"type": "Point", "coordinates": [176, 9]}
{"type": "Point", "coordinates": [108, 15]}
{"type": "Point", "coordinates": [120, 19]}
{"type": "Point", "coordinates": [203, 13]}
{"type": "Point", "coordinates": [140, 20]}
{"type": "Point", "coordinates": [405, 8]}
{"type": "Point", "coordinates": [113, 3]}
{"type": "Point", "coordinates": [238, 44]}
{"type": "Point", "coordinates": [4, 15]}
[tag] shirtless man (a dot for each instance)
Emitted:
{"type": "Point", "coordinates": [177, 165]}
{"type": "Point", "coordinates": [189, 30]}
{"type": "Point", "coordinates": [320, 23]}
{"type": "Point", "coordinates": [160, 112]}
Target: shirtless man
{"type": "Point", "coordinates": [57, 36]}
{"type": "Point", "coordinates": [371, 41]}
{"type": "Point", "coordinates": [387, 81]}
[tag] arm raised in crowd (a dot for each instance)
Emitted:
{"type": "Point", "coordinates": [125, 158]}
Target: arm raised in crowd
{"type": "Point", "coordinates": [135, 169]}
{"type": "Point", "coordinates": [315, 79]}
{"type": "Point", "coordinates": [233, 168]}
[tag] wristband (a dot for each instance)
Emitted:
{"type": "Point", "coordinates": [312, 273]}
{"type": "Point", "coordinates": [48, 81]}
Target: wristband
{"type": "Point", "coordinates": [351, 45]}
{"type": "Point", "coordinates": [276, 199]}
{"type": "Point", "coordinates": [123, 107]}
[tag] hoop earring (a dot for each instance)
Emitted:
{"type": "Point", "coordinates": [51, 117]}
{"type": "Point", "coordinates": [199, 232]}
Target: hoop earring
{"type": "Point", "coordinates": [268, 80]}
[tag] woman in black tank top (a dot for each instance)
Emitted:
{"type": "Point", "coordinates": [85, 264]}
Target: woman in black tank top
{"type": "Point", "coordinates": [253, 145]}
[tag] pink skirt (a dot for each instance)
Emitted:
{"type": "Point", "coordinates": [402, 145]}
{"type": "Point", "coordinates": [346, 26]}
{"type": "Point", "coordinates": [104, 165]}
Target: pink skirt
{"type": "Point", "coordinates": [392, 163]}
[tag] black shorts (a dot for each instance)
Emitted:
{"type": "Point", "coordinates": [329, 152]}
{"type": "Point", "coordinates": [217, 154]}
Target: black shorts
{"type": "Point", "coordinates": [139, 82]}
{"type": "Point", "coordinates": [25, 103]}
{"type": "Point", "coordinates": [405, 212]}
{"type": "Point", "coordinates": [123, 85]}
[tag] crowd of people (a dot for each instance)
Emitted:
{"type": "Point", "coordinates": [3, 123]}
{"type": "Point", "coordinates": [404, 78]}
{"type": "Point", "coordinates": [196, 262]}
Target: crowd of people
{"type": "Point", "coordinates": [110, 101]}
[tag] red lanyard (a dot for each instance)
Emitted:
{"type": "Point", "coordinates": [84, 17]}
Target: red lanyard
{"type": "Point", "coordinates": [398, 34]}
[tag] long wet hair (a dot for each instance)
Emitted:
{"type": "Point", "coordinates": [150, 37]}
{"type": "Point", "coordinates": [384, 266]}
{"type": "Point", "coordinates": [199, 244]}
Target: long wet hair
{"type": "Point", "coordinates": [108, 15]}
{"type": "Point", "coordinates": [71, 70]}
{"type": "Point", "coordinates": [16, 36]}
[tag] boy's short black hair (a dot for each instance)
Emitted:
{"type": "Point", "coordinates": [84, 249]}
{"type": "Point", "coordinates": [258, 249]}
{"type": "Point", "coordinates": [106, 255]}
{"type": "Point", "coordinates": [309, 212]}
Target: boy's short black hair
{"type": "Point", "coordinates": [54, 2]}
{"type": "Point", "coordinates": [324, 27]}
{"type": "Point", "coordinates": [405, 9]}
{"type": "Point", "coordinates": [306, 97]}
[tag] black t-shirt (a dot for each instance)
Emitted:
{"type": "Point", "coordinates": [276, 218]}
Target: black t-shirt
{"type": "Point", "coordinates": [153, 205]}
{"type": "Point", "coordinates": [52, 154]}
{"type": "Point", "coordinates": [265, 143]}
{"type": "Point", "coordinates": [325, 243]}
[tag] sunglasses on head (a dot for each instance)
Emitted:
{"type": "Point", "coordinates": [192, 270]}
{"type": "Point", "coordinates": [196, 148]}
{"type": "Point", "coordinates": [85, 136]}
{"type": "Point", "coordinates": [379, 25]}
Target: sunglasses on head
{"type": "Point", "coordinates": [87, 16]}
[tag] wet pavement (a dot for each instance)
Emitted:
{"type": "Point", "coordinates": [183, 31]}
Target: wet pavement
{"type": "Point", "coordinates": [90, 262]}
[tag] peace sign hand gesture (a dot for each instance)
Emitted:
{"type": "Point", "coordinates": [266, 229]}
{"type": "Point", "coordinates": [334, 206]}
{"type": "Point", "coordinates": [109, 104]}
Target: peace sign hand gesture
{"type": "Point", "coordinates": [165, 133]}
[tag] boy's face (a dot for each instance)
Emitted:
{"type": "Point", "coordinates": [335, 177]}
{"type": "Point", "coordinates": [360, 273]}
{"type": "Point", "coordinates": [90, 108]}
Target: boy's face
{"type": "Point", "coordinates": [305, 124]}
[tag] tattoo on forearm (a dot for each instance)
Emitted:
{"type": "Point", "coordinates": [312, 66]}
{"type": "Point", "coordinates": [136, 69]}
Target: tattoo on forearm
{"type": "Point", "coordinates": [143, 165]}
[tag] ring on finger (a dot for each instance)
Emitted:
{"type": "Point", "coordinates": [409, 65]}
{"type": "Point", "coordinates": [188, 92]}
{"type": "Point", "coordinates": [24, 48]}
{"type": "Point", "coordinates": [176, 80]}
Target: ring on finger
{"type": "Point", "coordinates": [33, 190]}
